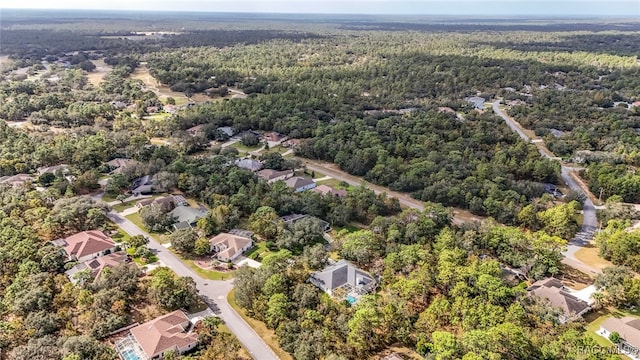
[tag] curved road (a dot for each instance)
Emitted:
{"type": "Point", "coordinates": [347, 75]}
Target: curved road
{"type": "Point", "coordinates": [214, 292]}
{"type": "Point", "coordinates": [589, 220]}
{"type": "Point", "coordinates": [460, 216]}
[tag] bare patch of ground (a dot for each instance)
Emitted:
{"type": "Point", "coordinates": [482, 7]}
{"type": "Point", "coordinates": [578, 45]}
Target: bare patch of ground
{"type": "Point", "coordinates": [162, 91]}
{"type": "Point", "coordinates": [589, 255]}
{"type": "Point", "coordinates": [95, 77]}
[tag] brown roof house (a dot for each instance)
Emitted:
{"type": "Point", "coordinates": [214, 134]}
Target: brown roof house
{"type": "Point", "coordinates": [97, 265]}
{"type": "Point", "coordinates": [229, 246]}
{"type": "Point", "coordinates": [86, 245]}
{"type": "Point", "coordinates": [249, 164]}
{"type": "Point", "coordinates": [299, 183]}
{"type": "Point", "coordinates": [271, 175]}
{"type": "Point", "coordinates": [118, 164]}
{"type": "Point", "coordinates": [629, 330]}
{"type": "Point", "coordinates": [167, 203]}
{"type": "Point", "coordinates": [560, 297]}
{"type": "Point", "coordinates": [169, 332]}
{"type": "Point", "coordinates": [325, 189]}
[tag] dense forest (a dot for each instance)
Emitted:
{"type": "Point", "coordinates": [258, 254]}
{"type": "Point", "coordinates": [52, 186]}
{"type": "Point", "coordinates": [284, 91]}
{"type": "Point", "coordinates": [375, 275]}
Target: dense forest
{"type": "Point", "coordinates": [385, 102]}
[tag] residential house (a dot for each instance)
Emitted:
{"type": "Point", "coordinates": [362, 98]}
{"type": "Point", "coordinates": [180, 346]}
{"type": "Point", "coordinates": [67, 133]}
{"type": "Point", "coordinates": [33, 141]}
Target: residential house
{"type": "Point", "coordinates": [291, 219]}
{"type": "Point", "coordinates": [273, 137]}
{"type": "Point", "coordinates": [97, 265]}
{"type": "Point", "coordinates": [629, 330]}
{"type": "Point", "coordinates": [187, 216]}
{"type": "Point", "coordinates": [560, 297]}
{"type": "Point", "coordinates": [299, 183]}
{"type": "Point", "coordinates": [152, 109]}
{"type": "Point", "coordinates": [16, 180]}
{"type": "Point", "coordinates": [227, 130]}
{"type": "Point", "coordinates": [118, 164]}
{"type": "Point", "coordinates": [167, 203]}
{"type": "Point", "coordinates": [193, 131]}
{"type": "Point", "coordinates": [170, 109]}
{"type": "Point", "coordinates": [272, 176]}
{"type": "Point", "coordinates": [249, 164]}
{"type": "Point", "coordinates": [343, 274]}
{"type": "Point", "coordinates": [553, 190]}
{"type": "Point", "coordinates": [143, 185]}
{"type": "Point", "coordinates": [119, 104]}
{"type": "Point", "coordinates": [325, 190]}
{"type": "Point", "coordinates": [477, 102]}
{"type": "Point", "coordinates": [291, 143]}
{"type": "Point", "coordinates": [229, 246]}
{"type": "Point", "coordinates": [635, 103]}
{"type": "Point", "coordinates": [63, 168]}
{"type": "Point", "coordinates": [169, 332]}
{"type": "Point", "coordinates": [86, 245]}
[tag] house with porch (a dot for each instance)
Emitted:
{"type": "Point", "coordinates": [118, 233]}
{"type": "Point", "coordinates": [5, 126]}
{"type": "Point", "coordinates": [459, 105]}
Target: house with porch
{"type": "Point", "coordinates": [272, 176]}
{"type": "Point", "coordinates": [155, 338]}
{"type": "Point", "coordinates": [572, 304]}
{"type": "Point", "coordinates": [96, 266]}
{"type": "Point", "coordinates": [86, 245]}
{"type": "Point", "coordinates": [629, 330]}
{"type": "Point", "coordinates": [227, 247]}
{"type": "Point", "coordinates": [299, 183]}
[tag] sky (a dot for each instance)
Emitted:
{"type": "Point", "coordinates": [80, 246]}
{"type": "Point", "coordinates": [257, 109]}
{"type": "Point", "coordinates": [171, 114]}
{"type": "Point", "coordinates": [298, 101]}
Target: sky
{"type": "Point", "coordinates": [628, 8]}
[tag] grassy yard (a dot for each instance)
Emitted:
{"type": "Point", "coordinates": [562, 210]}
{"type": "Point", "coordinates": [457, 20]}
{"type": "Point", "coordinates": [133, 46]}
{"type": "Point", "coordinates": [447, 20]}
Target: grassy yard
{"type": "Point", "coordinates": [258, 251]}
{"type": "Point", "coordinates": [334, 183]}
{"type": "Point", "coordinates": [207, 274]}
{"type": "Point", "coordinates": [238, 145]}
{"type": "Point", "coordinates": [589, 255]}
{"type": "Point", "coordinates": [135, 218]}
{"type": "Point", "coordinates": [269, 336]}
{"type": "Point", "coordinates": [150, 260]}
{"type": "Point", "coordinates": [595, 319]}
{"type": "Point", "coordinates": [121, 236]}
{"type": "Point", "coordinates": [108, 198]}
{"type": "Point", "coordinates": [122, 207]}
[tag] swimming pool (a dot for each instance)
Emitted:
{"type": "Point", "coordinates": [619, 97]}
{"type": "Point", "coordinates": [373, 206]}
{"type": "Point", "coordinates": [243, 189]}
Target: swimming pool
{"type": "Point", "coordinates": [352, 300]}
{"type": "Point", "coordinates": [130, 354]}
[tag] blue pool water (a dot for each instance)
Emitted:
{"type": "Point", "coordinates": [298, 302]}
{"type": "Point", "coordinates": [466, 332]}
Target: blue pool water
{"type": "Point", "coordinates": [129, 354]}
{"type": "Point", "coordinates": [351, 299]}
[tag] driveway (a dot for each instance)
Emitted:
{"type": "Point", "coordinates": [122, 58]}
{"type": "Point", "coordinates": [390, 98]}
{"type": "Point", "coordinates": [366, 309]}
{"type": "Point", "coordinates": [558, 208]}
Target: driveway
{"type": "Point", "coordinates": [214, 292]}
{"type": "Point", "coordinates": [589, 221]}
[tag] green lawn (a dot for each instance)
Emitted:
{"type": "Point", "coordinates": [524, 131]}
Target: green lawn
{"type": "Point", "coordinates": [108, 198]}
{"type": "Point", "coordinates": [595, 319]}
{"type": "Point", "coordinates": [334, 183]}
{"type": "Point", "coordinates": [150, 260]}
{"type": "Point", "coordinates": [267, 335]}
{"type": "Point", "coordinates": [159, 237]}
{"type": "Point", "coordinates": [121, 236]}
{"type": "Point", "coordinates": [122, 207]}
{"type": "Point", "coordinates": [207, 274]}
{"type": "Point", "coordinates": [238, 145]}
{"type": "Point", "coordinates": [311, 174]}
{"type": "Point", "coordinates": [258, 251]}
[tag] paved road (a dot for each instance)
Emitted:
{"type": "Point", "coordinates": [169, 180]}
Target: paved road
{"type": "Point", "coordinates": [459, 216]}
{"type": "Point", "coordinates": [214, 292]}
{"type": "Point", "coordinates": [589, 222]}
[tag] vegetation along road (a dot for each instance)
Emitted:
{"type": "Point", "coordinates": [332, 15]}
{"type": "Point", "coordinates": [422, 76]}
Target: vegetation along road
{"type": "Point", "coordinates": [459, 216]}
{"type": "Point", "coordinates": [214, 292]}
{"type": "Point", "coordinates": [589, 219]}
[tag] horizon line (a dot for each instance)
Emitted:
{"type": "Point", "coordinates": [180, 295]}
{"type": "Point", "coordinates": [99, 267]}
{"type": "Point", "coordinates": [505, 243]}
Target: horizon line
{"type": "Point", "coordinates": [448, 15]}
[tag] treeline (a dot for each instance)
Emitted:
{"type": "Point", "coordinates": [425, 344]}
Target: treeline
{"type": "Point", "coordinates": [428, 273]}
{"type": "Point", "coordinates": [613, 180]}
